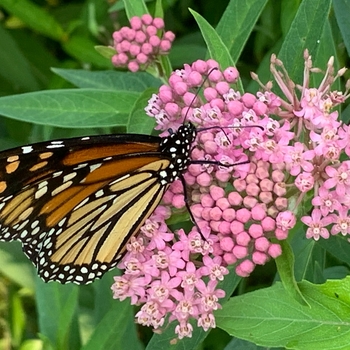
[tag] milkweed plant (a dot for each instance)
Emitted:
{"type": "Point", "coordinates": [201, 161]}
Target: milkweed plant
{"type": "Point", "coordinates": [268, 185]}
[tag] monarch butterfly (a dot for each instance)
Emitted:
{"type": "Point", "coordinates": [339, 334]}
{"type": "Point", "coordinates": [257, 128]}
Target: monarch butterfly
{"type": "Point", "coordinates": [74, 203]}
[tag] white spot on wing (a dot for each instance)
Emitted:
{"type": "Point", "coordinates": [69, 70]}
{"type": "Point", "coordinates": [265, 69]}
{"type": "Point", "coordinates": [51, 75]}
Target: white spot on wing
{"type": "Point", "coordinates": [27, 149]}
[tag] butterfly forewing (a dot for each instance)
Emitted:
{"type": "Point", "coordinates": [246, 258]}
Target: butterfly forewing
{"type": "Point", "coordinates": [75, 203]}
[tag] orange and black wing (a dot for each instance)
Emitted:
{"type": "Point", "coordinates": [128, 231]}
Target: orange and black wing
{"type": "Point", "coordinates": [75, 203]}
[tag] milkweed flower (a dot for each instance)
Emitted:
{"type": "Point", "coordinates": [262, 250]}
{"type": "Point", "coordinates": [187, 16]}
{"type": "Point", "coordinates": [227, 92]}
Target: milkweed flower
{"type": "Point", "coordinates": [140, 44]}
{"type": "Point", "coordinates": [255, 160]}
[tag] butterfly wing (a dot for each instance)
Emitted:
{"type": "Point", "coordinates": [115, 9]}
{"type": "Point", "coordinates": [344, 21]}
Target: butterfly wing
{"type": "Point", "coordinates": [74, 203]}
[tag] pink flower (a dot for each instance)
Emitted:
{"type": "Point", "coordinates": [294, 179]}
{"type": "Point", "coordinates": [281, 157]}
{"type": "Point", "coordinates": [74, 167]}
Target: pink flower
{"type": "Point", "coordinates": [317, 225]}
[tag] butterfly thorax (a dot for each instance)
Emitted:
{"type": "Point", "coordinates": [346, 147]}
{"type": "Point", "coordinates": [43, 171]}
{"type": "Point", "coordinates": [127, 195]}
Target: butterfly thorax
{"type": "Point", "coordinates": [178, 146]}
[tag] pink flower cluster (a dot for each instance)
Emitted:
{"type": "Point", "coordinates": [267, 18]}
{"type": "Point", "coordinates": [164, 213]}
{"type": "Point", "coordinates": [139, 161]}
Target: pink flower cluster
{"type": "Point", "coordinates": [256, 159]}
{"type": "Point", "coordinates": [161, 274]}
{"type": "Point", "coordinates": [141, 44]}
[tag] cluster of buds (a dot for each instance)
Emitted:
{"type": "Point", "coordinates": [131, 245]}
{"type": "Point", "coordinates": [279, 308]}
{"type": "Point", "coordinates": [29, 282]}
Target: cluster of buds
{"type": "Point", "coordinates": [141, 44]}
{"type": "Point", "coordinates": [255, 160]}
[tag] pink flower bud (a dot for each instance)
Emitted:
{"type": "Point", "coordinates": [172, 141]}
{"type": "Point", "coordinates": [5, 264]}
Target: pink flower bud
{"type": "Point", "coordinates": [262, 172]}
{"type": "Point", "coordinates": [262, 244]}
{"type": "Point", "coordinates": [217, 192]}
{"type": "Point", "coordinates": [275, 250]}
{"type": "Point", "coordinates": [196, 210]}
{"type": "Point", "coordinates": [141, 58]}
{"type": "Point", "coordinates": [136, 23]}
{"type": "Point", "coordinates": [227, 244]}
{"type": "Point", "coordinates": [240, 185]}
{"type": "Point", "coordinates": [218, 103]}
{"type": "Point", "coordinates": [146, 48]}
{"type": "Point", "coordinates": [134, 49]}
{"type": "Point", "coordinates": [260, 108]}
{"type": "Point", "coordinates": [268, 224]}
{"type": "Point", "coordinates": [236, 227]}
{"type": "Point", "coordinates": [235, 108]}
{"type": "Point", "coordinates": [245, 268]}
{"type": "Point", "coordinates": [174, 79]}
{"type": "Point", "coordinates": [124, 46]}
{"type": "Point", "coordinates": [207, 200]}
{"type": "Point", "coordinates": [165, 45]}
{"type": "Point", "coordinates": [178, 201]}
{"type": "Point", "coordinates": [151, 30]}
{"type": "Point", "coordinates": [172, 109]}
{"type": "Point", "coordinates": [229, 214]}
{"type": "Point", "coordinates": [243, 215]}
{"type": "Point", "coordinates": [215, 214]}
{"type": "Point", "coordinates": [266, 185]}
{"type": "Point", "coordinates": [249, 202]}
{"type": "Point", "coordinates": [214, 225]}
{"type": "Point", "coordinates": [240, 252]}
{"type": "Point", "coordinates": [214, 75]}
{"type": "Point", "coordinates": [248, 99]}
{"type": "Point", "coordinates": [158, 23]}
{"type": "Point", "coordinates": [133, 66]}
{"type": "Point", "coordinates": [165, 94]}
{"type": "Point", "coordinates": [146, 19]}
{"type": "Point", "coordinates": [259, 258]}
{"type": "Point", "coordinates": [169, 36]}
{"type": "Point", "coordinates": [204, 179]}
{"type": "Point", "coordinates": [154, 40]}
{"type": "Point", "coordinates": [180, 88]}
{"type": "Point", "coordinates": [222, 87]}
{"type": "Point", "coordinates": [231, 74]}
{"type": "Point", "coordinates": [258, 212]}
{"type": "Point", "coordinates": [210, 147]}
{"type": "Point", "coordinates": [224, 228]}
{"type": "Point", "coordinates": [194, 78]}
{"type": "Point", "coordinates": [210, 93]}
{"type": "Point", "coordinates": [117, 37]}
{"type": "Point", "coordinates": [266, 197]}
{"type": "Point", "coordinates": [281, 203]}
{"type": "Point", "coordinates": [253, 189]}
{"type": "Point", "coordinates": [190, 98]}
{"type": "Point", "coordinates": [212, 64]}
{"type": "Point", "coordinates": [140, 37]}
{"type": "Point", "coordinates": [255, 231]}
{"type": "Point", "coordinates": [277, 176]}
{"type": "Point", "coordinates": [229, 258]}
{"type": "Point", "coordinates": [243, 238]}
{"type": "Point", "coordinates": [223, 203]}
{"type": "Point", "coordinates": [235, 199]}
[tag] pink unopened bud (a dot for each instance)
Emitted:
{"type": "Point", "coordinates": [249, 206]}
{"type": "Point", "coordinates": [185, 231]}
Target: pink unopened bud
{"type": "Point", "coordinates": [231, 74]}
{"type": "Point", "coordinates": [248, 100]}
{"type": "Point", "coordinates": [227, 244]}
{"type": "Point", "coordinates": [146, 19]}
{"type": "Point", "coordinates": [154, 40]}
{"type": "Point", "coordinates": [133, 66]}
{"type": "Point", "coordinates": [245, 268]}
{"type": "Point", "coordinates": [158, 23]}
{"type": "Point", "coordinates": [136, 23]}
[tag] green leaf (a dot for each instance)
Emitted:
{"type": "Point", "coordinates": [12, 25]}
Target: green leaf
{"type": "Point", "coordinates": [135, 8]}
{"type": "Point", "coordinates": [341, 11]}
{"type": "Point", "coordinates": [270, 317]}
{"type": "Point", "coordinates": [83, 48]}
{"type": "Point", "coordinates": [139, 122]}
{"type": "Point", "coordinates": [285, 267]}
{"type": "Point", "coordinates": [15, 265]}
{"type": "Point", "coordinates": [35, 17]}
{"type": "Point", "coordinates": [216, 48]}
{"type": "Point", "coordinates": [71, 107]}
{"type": "Point", "coordinates": [14, 65]}
{"type": "Point", "coordinates": [305, 33]}
{"type": "Point", "coordinates": [116, 330]}
{"type": "Point", "coordinates": [57, 320]}
{"type": "Point", "coordinates": [109, 80]}
{"type": "Point", "coordinates": [237, 24]}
